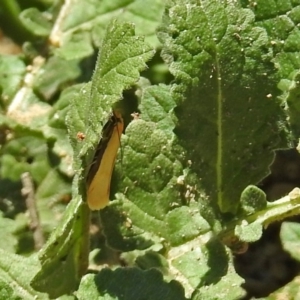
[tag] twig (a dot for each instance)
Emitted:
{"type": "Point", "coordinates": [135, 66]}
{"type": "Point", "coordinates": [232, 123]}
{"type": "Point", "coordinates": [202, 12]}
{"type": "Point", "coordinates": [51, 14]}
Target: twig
{"type": "Point", "coordinates": [57, 34]}
{"type": "Point", "coordinates": [35, 225]}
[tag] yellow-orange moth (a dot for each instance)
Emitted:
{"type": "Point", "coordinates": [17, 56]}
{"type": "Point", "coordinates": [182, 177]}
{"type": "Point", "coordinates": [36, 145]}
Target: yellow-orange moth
{"type": "Point", "coordinates": [100, 172]}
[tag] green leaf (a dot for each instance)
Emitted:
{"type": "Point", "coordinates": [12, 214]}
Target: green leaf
{"type": "Point", "coordinates": [249, 232]}
{"type": "Point", "coordinates": [248, 228]}
{"type": "Point", "coordinates": [282, 28]}
{"type": "Point", "coordinates": [36, 22]}
{"type": "Point", "coordinates": [76, 46]}
{"type": "Point", "coordinates": [64, 257]}
{"type": "Point", "coordinates": [7, 234]}
{"type": "Point", "coordinates": [23, 149]}
{"type": "Point", "coordinates": [7, 292]}
{"type": "Point", "coordinates": [26, 112]}
{"type": "Point", "coordinates": [253, 199]}
{"type": "Point", "coordinates": [226, 90]}
{"type": "Point", "coordinates": [147, 152]}
{"type": "Point", "coordinates": [222, 289]}
{"type": "Point", "coordinates": [121, 58]}
{"type": "Point", "coordinates": [289, 234]}
{"type": "Point", "coordinates": [49, 78]}
{"type": "Point", "coordinates": [28, 154]}
{"type": "Point", "coordinates": [184, 181]}
{"type": "Point", "coordinates": [52, 189]}
{"type": "Point", "coordinates": [128, 284]}
{"type": "Point", "coordinates": [75, 26]}
{"type": "Point", "coordinates": [205, 267]}
{"type": "Point", "coordinates": [293, 103]}
{"type": "Point", "coordinates": [56, 133]}
{"type": "Point", "coordinates": [60, 109]}
{"type": "Point", "coordinates": [16, 273]}
{"type": "Point", "coordinates": [158, 210]}
{"type": "Point", "coordinates": [12, 69]}
{"type": "Point", "coordinates": [157, 105]}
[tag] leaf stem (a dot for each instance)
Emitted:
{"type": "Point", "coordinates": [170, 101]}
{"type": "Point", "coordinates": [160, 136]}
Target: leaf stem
{"type": "Point", "coordinates": [219, 140]}
{"type": "Point", "coordinates": [283, 208]}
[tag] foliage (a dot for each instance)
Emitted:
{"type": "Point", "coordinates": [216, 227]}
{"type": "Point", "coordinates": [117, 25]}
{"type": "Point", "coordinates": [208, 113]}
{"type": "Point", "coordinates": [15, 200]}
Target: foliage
{"type": "Point", "coordinates": [202, 125]}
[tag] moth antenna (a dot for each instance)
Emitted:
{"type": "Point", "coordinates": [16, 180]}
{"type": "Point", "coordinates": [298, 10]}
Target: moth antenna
{"type": "Point", "coordinates": [118, 118]}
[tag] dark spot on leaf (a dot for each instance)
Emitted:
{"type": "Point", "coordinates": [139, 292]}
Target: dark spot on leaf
{"type": "Point", "coordinates": [63, 259]}
{"type": "Point", "coordinates": [30, 160]}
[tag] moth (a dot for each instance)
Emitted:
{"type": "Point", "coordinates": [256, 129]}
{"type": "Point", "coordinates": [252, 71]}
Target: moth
{"type": "Point", "coordinates": [99, 175]}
